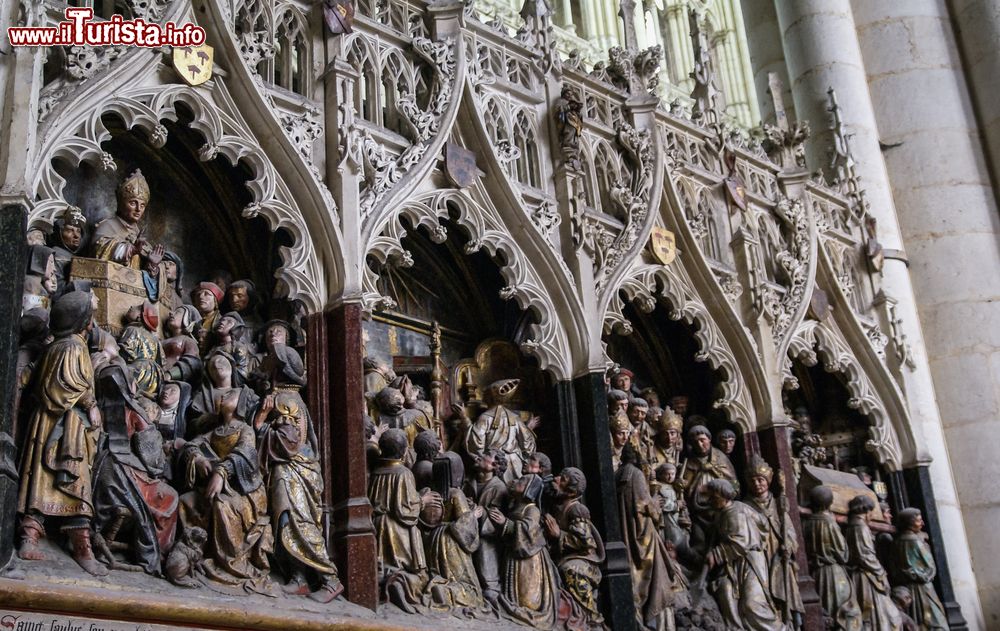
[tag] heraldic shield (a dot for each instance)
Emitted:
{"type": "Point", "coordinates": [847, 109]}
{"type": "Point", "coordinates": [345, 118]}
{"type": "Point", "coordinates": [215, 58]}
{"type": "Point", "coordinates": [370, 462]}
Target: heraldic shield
{"type": "Point", "coordinates": [194, 63]}
{"type": "Point", "coordinates": [663, 245]}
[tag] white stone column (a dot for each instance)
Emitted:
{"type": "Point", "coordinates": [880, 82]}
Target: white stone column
{"type": "Point", "coordinates": [951, 230]}
{"type": "Point", "coordinates": [978, 28]}
{"type": "Point", "coordinates": [822, 51]}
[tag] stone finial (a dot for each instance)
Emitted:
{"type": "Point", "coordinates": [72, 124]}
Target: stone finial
{"type": "Point", "coordinates": [784, 141]}
{"type": "Point", "coordinates": [705, 94]}
{"type": "Point", "coordinates": [626, 11]}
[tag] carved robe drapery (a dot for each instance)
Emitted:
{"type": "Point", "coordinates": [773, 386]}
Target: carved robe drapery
{"type": "Point", "coordinates": [783, 569]}
{"type": "Point", "coordinates": [449, 554]}
{"type": "Point", "coordinates": [60, 444]}
{"type": "Point", "coordinates": [827, 550]}
{"type": "Point", "coordinates": [502, 429]}
{"type": "Point", "coordinates": [580, 553]}
{"type": "Point", "coordinates": [740, 581]}
{"type": "Point", "coordinates": [871, 584]}
{"type": "Point", "coordinates": [914, 568]}
{"type": "Point", "coordinates": [531, 584]}
{"type": "Point", "coordinates": [237, 522]}
{"type": "Point", "coordinates": [656, 582]}
{"type": "Point", "coordinates": [395, 513]}
{"type": "Point", "coordinates": [294, 483]}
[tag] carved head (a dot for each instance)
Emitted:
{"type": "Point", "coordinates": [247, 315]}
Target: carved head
{"type": "Point", "coordinates": [229, 324]}
{"type": "Point", "coordinates": [182, 319]}
{"type": "Point", "coordinates": [631, 455]}
{"type": "Point", "coordinates": [239, 294]}
{"type": "Point", "coordinates": [538, 463]}
{"type": "Point", "coordinates": [666, 473]}
{"type": "Point", "coordinates": [726, 441]}
{"type": "Point", "coordinates": [206, 297]}
{"type": "Point", "coordinates": [622, 380]}
{"type": "Point", "coordinates": [133, 196]}
{"type": "Point", "coordinates": [759, 476]}
{"type": "Point", "coordinates": [679, 404]}
{"type": "Point", "coordinates": [427, 445]}
{"type": "Point", "coordinates": [172, 267]}
{"type": "Point", "coordinates": [170, 395]}
{"type": "Point", "coordinates": [390, 401]}
{"type": "Point", "coordinates": [501, 391]}
{"type": "Point", "coordinates": [621, 429]}
{"type": "Point", "coordinates": [71, 225]}
{"type": "Point", "coordinates": [195, 537]}
{"type": "Point", "coordinates": [637, 411]}
{"type": "Point", "coordinates": [670, 426]}
{"type": "Point", "coordinates": [860, 505]}
{"type": "Point", "coordinates": [617, 400]}
{"type": "Point", "coordinates": [820, 498]}
{"type": "Point", "coordinates": [720, 493]}
{"type": "Point", "coordinates": [902, 597]}
{"type": "Point", "coordinates": [392, 443]}
{"type": "Point", "coordinates": [910, 519]}
{"type": "Point", "coordinates": [651, 396]}
{"type": "Point", "coordinates": [220, 370]}
{"type": "Point", "coordinates": [803, 419]}
{"type": "Point", "coordinates": [71, 313]}
{"type": "Point", "coordinates": [700, 440]}
{"type": "Point", "coordinates": [571, 482]}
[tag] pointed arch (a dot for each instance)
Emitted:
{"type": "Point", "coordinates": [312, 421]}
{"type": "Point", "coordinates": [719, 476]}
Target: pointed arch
{"type": "Point", "coordinates": [547, 340]}
{"type": "Point", "coordinates": [528, 165]}
{"type": "Point", "coordinates": [291, 62]}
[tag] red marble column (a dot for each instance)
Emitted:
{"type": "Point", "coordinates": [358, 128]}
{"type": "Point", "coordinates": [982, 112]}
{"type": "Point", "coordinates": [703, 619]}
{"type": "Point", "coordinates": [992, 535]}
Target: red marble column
{"type": "Point", "coordinates": [775, 447]}
{"type": "Point", "coordinates": [336, 383]}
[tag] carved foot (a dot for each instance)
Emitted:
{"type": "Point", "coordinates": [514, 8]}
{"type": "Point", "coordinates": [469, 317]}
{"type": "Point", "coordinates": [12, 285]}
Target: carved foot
{"type": "Point", "coordinates": [297, 586]}
{"type": "Point", "coordinates": [30, 551]}
{"type": "Point", "coordinates": [31, 531]}
{"type": "Point", "coordinates": [397, 597]}
{"type": "Point", "coordinates": [83, 554]}
{"type": "Point", "coordinates": [328, 592]}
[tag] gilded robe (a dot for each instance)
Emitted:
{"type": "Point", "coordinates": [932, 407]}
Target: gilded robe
{"type": "Point", "coordinates": [449, 554]}
{"type": "Point", "coordinates": [113, 240]}
{"type": "Point", "coordinates": [741, 583]}
{"type": "Point", "coordinates": [657, 582]}
{"type": "Point", "coordinates": [531, 583]}
{"type": "Point", "coordinates": [287, 446]}
{"type": "Point", "coordinates": [694, 475]}
{"type": "Point", "coordinates": [236, 520]}
{"type": "Point", "coordinates": [913, 568]}
{"type": "Point", "coordinates": [60, 444]}
{"type": "Point", "coordinates": [143, 353]}
{"type": "Point", "coordinates": [395, 512]}
{"type": "Point", "coordinates": [783, 569]}
{"type": "Point", "coordinates": [871, 585]}
{"type": "Point", "coordinates": [580, 553]}
{"type": "Point", "coordinates": [827, 550]}
{"type": "Point", "coordinates": [502, 429]}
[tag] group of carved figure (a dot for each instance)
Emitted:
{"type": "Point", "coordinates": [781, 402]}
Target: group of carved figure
{"type": "Point", "coordinates": [688, 536]}
{"type": "Point", "coordinates": [509, 539]}
{"type": "Point", "coordinates": [188, 454]}
{"type": "Point", "coordinates": [191, 454]}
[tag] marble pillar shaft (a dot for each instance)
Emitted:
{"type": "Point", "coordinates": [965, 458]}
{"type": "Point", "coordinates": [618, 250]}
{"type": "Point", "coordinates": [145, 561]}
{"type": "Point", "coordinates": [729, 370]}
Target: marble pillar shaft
{"type": "Point", "coordinates": [336, 374]}
{"type": "Point", "coordinates": [13, 259]}
{"type": "Point", "coordinates": [617, 602]}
